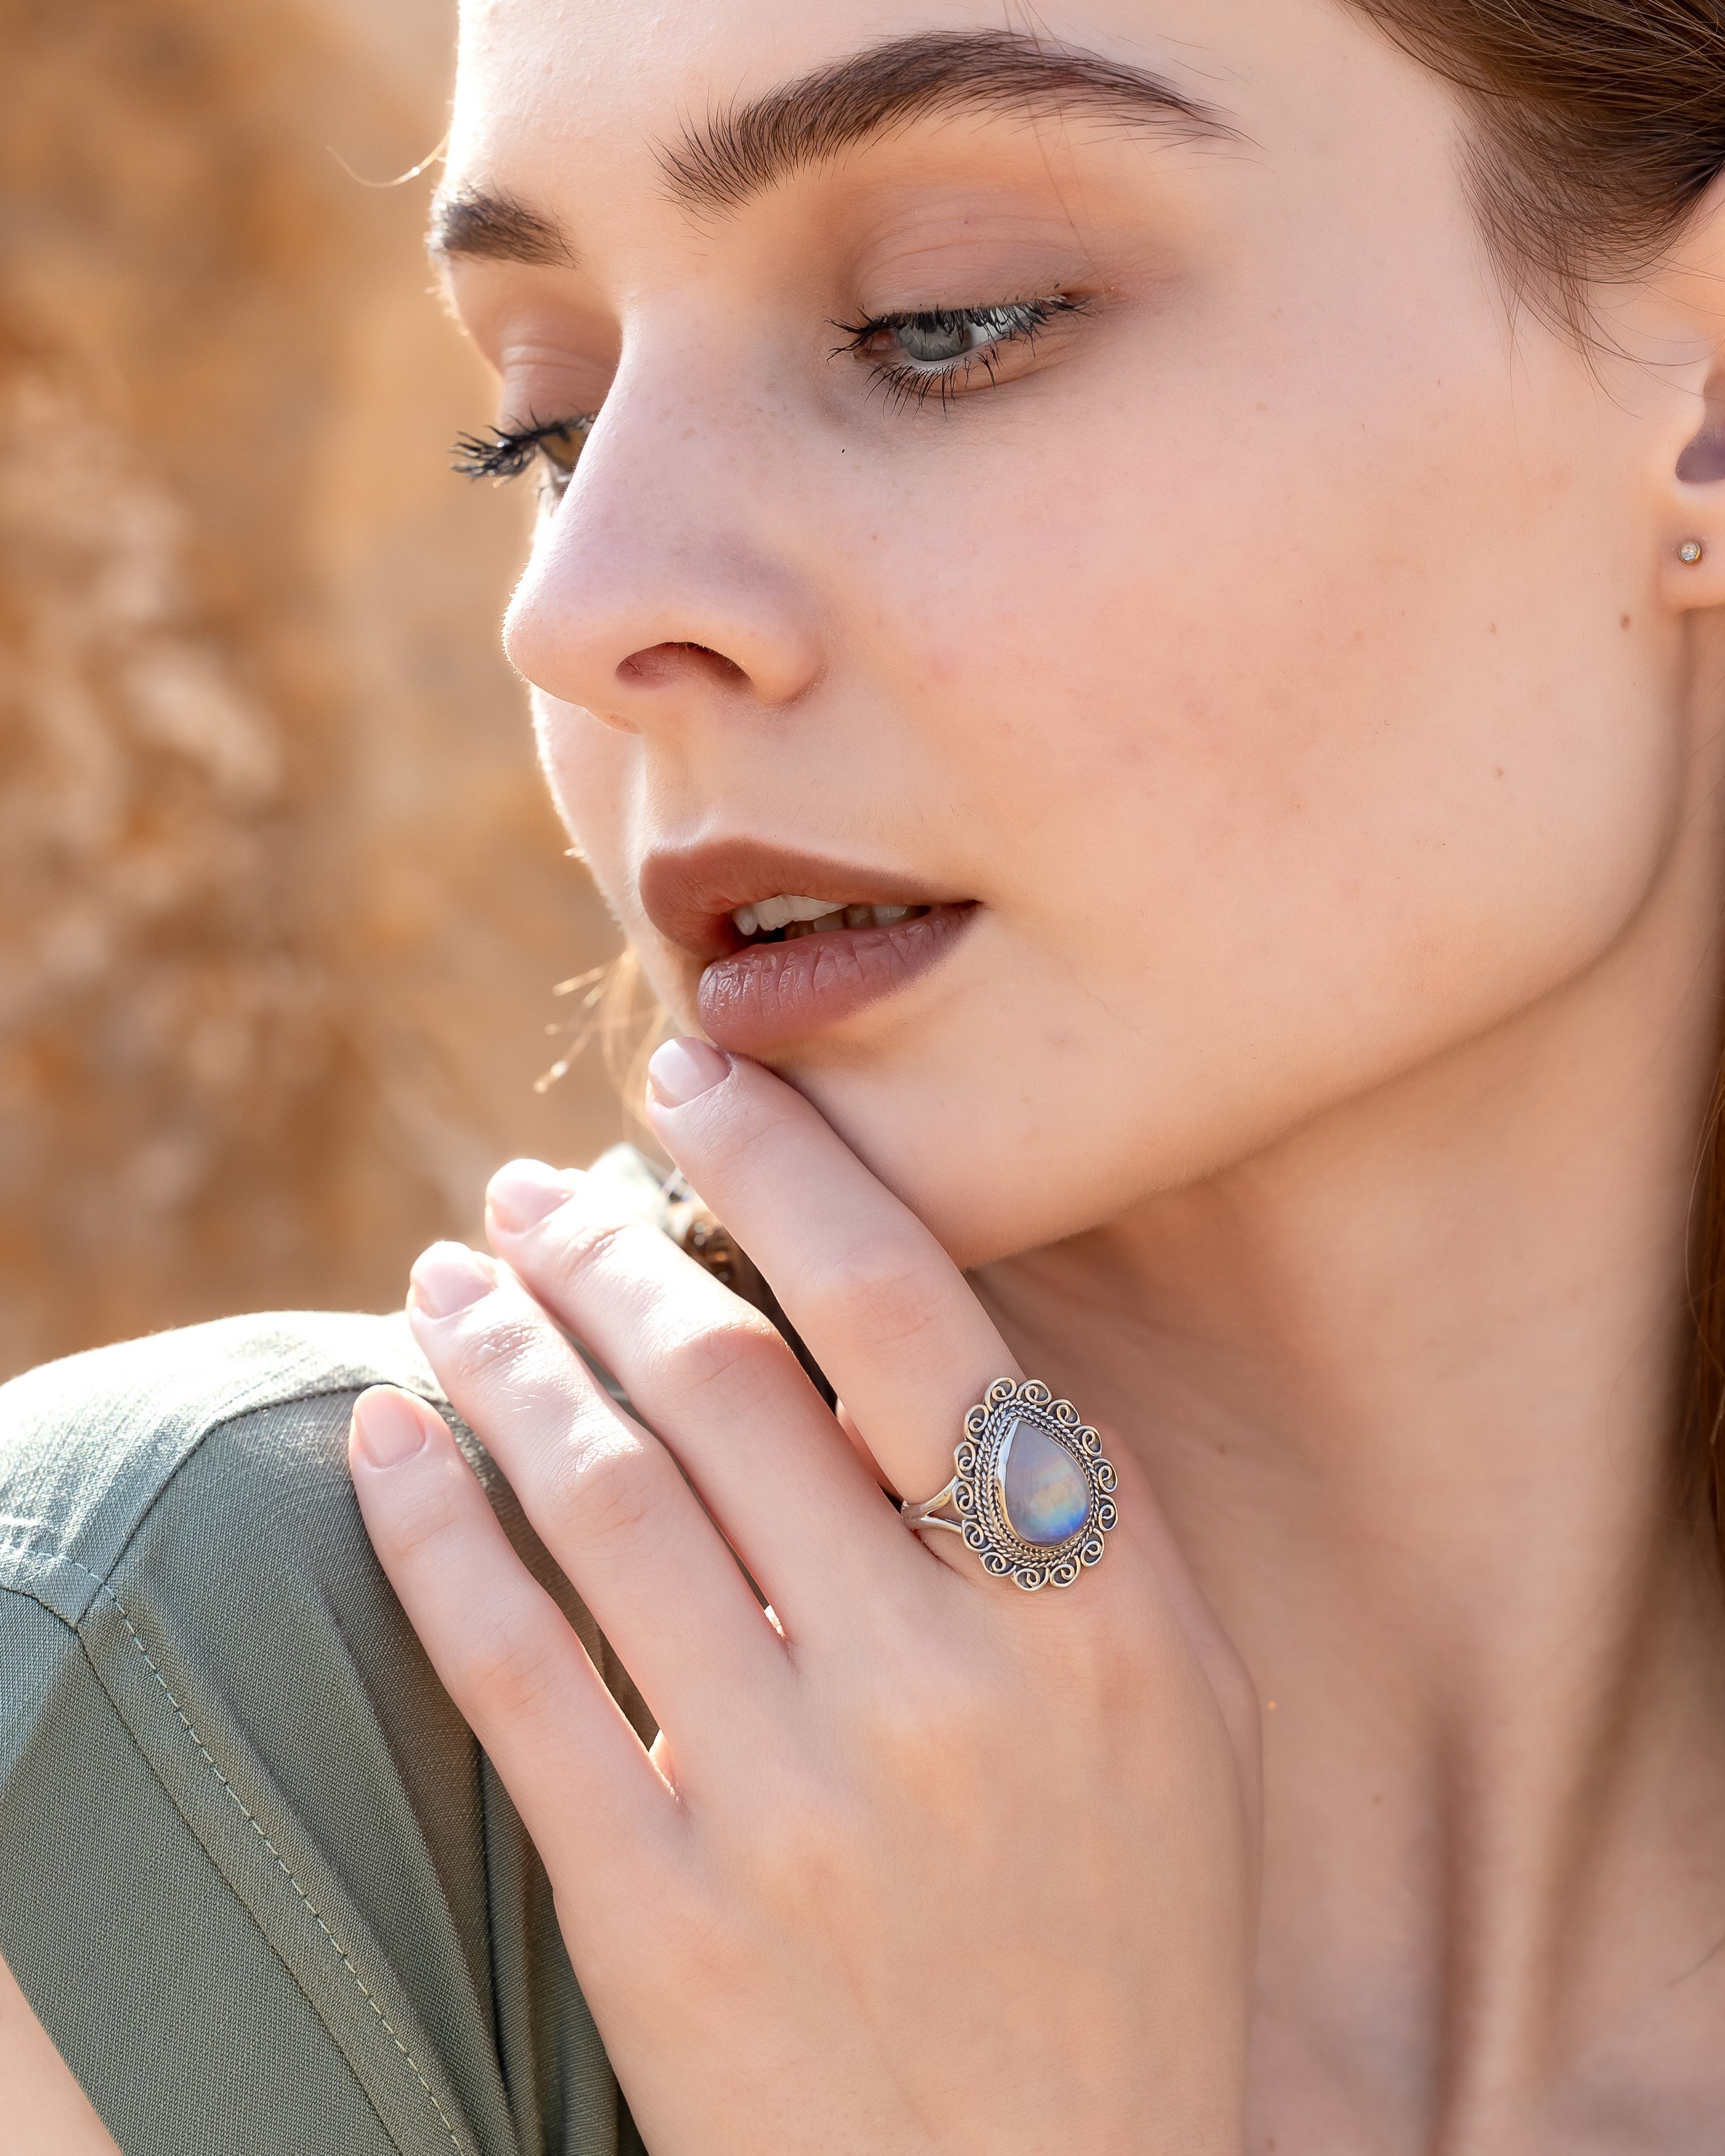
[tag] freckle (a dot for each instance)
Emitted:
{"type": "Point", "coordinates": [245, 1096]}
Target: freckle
{"type": "Point", "coordinates": [1494, 629]}
{"type": "Point", "coordinates": [1625, 622]}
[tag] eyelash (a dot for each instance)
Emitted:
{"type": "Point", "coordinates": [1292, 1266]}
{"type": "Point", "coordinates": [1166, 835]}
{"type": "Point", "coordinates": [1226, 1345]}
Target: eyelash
{"type": "Point", "coordinates": [1017, 321]}
{"type": "Point", "coordinates": [502, 454]}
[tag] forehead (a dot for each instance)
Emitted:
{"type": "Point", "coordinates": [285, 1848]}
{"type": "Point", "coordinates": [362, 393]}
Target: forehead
{"type": "Point", "coordinates": [589, 126]}
{"type": "Point", "coordinates": [548, 93]}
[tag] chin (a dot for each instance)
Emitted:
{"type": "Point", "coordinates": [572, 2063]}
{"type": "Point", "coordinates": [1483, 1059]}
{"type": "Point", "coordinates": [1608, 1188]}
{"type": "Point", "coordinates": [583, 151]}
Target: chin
{"type": "Point", "coordinates": [988, 1176]}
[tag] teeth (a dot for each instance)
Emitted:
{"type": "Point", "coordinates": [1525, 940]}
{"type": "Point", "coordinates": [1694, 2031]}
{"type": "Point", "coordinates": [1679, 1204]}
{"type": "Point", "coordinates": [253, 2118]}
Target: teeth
{"type": "Point", "coordinates": [771, 913]}
{"type": "Point", "coordinates": [804, 916]}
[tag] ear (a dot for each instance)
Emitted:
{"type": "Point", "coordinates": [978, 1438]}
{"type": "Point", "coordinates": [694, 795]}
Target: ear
{"type": "Point", "coordinates": [1692, 511]}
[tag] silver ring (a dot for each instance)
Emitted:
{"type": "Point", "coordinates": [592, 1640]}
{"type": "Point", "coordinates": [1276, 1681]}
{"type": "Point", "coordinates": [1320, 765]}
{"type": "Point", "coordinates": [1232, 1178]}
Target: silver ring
{"type": "Point", "coordinates": [1030, 1493]}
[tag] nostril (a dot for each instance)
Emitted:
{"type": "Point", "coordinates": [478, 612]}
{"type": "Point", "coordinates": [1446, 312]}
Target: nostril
{"type": "Point", "coordinates": [660, 665]}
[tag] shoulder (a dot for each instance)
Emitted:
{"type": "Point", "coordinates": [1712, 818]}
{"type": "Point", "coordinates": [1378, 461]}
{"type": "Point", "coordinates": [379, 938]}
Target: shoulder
{"type": "Point", "coordinates": [89, 1445]}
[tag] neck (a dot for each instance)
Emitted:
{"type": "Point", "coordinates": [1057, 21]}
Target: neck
{"type": "Point", "coordinates": [1408, 1385]}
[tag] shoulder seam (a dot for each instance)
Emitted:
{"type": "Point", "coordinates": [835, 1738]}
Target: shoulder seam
{"type": "Point", "coordinates": [312, 1910]}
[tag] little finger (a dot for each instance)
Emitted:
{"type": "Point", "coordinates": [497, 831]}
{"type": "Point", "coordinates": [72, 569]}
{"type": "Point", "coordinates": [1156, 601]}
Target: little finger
{"type": "Point", "coordinates": [502, 1649]}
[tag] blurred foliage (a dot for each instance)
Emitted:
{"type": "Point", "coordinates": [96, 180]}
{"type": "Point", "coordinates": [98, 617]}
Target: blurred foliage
{"type": "Point", "coordinates": [281, 900]}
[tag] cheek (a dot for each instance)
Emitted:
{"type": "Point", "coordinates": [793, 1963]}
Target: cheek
{"type": "Point", "coordinates": [597, 778]}
{"type": "Point", "coordinates": [591, 769]}
{"type": "Point", "coordinates": [584, 772]}
{"type": "Point", "coordinates": [1299, 755]}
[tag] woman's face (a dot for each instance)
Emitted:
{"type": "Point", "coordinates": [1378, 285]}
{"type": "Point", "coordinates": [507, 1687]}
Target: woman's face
{"type": "Point", "coordinates": [1103, 502]}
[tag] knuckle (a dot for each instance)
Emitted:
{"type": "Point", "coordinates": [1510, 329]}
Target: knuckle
{"type": "Point", "coordinates": [878, 1289]}
{"type": "Point", "coordinates": [933, 1729]}
{"type": "Point", "coordinates": [730, 1365]}
{"type": "Point", "coordinates": [590, 1243]}
{"type": "Point", "coordinates": [801, 1850]}
{"type": "Point", "coordinates": [1108, 1679]}
{"type": "Point", "coordinates": [605, 1486]}
{"type": "Point", "coordinates": [505, 1341]}
{"type": "Point", "coordinates": [509, 1668]}
{"type": "Point", "coordinates": [1112, 1677]}
{"type": "Point", "coordinates": [737, 1129]}
{"type": "Point", "coordinates": [427, 1510]}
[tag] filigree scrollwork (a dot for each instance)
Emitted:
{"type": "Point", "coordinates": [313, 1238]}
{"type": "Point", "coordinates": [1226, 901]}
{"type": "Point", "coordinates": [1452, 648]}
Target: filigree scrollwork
{"type": "Point", "coordinates": [1066, 1510]}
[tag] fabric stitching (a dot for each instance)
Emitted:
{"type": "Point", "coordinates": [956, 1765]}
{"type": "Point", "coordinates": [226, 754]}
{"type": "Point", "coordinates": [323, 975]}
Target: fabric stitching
{"type": "Point", "coordinates": [257, 1828]}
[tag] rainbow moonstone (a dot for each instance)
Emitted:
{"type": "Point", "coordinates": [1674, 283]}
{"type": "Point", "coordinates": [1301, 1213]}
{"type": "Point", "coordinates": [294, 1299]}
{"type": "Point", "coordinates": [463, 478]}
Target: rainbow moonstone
{"type": "Point", "coordinates": [1044, 1491]}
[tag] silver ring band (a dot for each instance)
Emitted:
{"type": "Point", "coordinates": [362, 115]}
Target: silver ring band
{"type": "Point", "coordinates": [927, 1513]}
{"type": "Point", "coordinates": [1031, 1494]}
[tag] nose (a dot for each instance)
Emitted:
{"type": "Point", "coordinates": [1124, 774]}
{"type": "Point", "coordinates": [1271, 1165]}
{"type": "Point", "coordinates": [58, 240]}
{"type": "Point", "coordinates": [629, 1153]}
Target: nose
{"type": "Point", "coordinates": [664, 587]}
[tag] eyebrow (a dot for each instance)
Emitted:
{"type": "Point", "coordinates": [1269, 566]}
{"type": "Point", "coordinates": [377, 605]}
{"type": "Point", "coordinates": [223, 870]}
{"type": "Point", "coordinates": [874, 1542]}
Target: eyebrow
{"type": "Point", "coordinates": [492, 226]}
{"type": "Point", "coordinates": [744, 149]}
{"type": "Point", "coordinates": [750, 147]}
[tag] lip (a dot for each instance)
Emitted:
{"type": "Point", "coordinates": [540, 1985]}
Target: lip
{"type": "Point", "coordinates": [755, 997]}
{"type": "Point", "coordinates": [765, 995]}
{"type": "Point", "coordinates": [690, 893]}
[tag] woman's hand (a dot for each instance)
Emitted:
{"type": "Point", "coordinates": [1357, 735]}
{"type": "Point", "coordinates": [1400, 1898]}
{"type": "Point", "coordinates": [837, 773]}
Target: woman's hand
{"type": "Point", "coordinates": [929, 1863]}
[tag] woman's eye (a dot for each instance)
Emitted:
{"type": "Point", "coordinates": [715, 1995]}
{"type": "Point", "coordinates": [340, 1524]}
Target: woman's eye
{"type": "Point", "coordinates": [555, 445]}
{"type": "Point", "coordinates": [560, 453]}
{"type": "Point", "coordinates": [932, 339]}
{"type": "Point", "coordinates": [936, 348]}
{"type": "Point", "coordinates": [945, 349]}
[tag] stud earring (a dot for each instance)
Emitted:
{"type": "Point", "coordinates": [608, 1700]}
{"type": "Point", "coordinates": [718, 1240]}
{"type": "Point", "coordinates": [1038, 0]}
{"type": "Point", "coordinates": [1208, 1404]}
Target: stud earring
{"type": "Point", "coordinates": [1691, 552]}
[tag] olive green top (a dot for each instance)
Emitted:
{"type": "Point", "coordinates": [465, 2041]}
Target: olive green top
{"type": "Point", "coordinates": [257, 1880]}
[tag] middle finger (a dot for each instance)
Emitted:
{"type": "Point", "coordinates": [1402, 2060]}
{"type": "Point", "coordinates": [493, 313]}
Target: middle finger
{"type": "Point", "coordinates": [710, 1374]}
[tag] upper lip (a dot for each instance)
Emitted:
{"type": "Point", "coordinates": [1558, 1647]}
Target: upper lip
{"type": "Point", "coordinates": [689, 892]}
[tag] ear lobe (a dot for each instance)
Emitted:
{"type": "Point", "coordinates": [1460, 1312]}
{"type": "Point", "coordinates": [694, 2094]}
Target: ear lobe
{"type": "Point", "coordinates": [1692, 519]}
{"type": "Point", "coordinates": [1694, 575]}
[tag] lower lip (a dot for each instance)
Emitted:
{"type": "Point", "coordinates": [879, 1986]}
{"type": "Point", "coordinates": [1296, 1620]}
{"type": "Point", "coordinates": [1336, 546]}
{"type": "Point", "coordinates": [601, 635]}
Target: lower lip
{"type": "Point", "coordinates": [769, 994]}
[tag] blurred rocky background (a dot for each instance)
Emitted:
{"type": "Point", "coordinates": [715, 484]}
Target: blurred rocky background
{"type": "Point", "coordinates": [281, 902]}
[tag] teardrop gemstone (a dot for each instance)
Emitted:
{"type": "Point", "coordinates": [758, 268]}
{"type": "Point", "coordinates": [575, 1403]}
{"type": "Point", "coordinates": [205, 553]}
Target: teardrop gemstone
{"type": "Point", "coordinates": [1043, 1489]}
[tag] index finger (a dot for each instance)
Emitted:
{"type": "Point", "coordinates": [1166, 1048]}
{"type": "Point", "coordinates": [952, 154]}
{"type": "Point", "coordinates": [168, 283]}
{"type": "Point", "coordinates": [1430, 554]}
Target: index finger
{"type": "Point", "coordinates": [883, 1310]}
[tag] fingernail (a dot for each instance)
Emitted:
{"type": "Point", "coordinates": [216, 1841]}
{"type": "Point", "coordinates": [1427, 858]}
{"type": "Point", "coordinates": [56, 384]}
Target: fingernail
{"type": "Point", "coordinates": [386, 1428]}
{"type": "Point", "coordinates": [447, 1277]}
{"type": "Point", "coordinates": [522, 1194]}
{"type": "Point", "coordinates": [684, 1068]}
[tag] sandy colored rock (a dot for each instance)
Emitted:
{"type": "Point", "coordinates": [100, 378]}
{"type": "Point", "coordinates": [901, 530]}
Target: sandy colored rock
{"type": "Point", "coordinates": [281, 900]}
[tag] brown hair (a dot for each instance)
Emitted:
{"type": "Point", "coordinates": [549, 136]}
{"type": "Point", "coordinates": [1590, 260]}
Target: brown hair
{"type": "Point", "coordinates": [1599, 126]}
